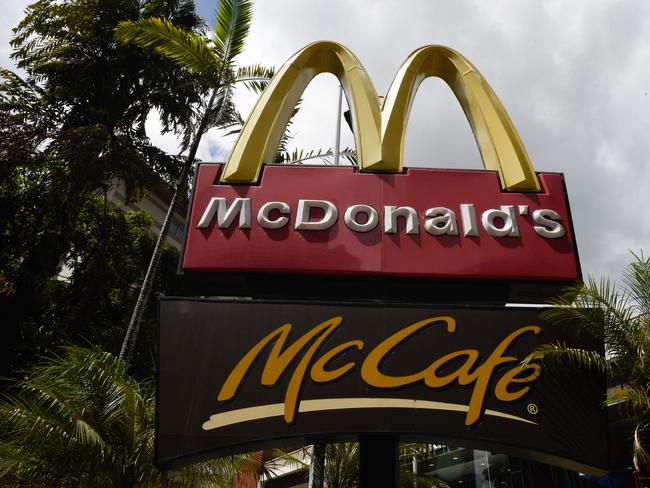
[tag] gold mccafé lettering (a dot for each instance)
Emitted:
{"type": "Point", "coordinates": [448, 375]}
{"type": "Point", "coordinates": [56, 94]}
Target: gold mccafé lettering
{"type": "Point", "coordinates": [497, 222]}
{"type": "Point", "coordinates": [314, 364]}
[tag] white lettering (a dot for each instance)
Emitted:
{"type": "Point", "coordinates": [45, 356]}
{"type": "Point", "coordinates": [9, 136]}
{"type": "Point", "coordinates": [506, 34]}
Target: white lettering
{"type": "Point", "coordinates": [548, 227]}
{"type": "Point", "coordinates": [508, 217]}
{"type": "Point", "coordinates": [391, 213]}
{"type": "Point", "coordinates": [303, 222]}
{"type": "Point", "coordinates": [438, 221]}
{"type": "Point", "coordinates": [441, 221]}
{"type": "Point", "coordinates": [468, 217]}
{"type": "Point", "coordinates": [350, 218]}
{"type": "Point", "coordinates": [226, 215]}
{"type": "Point", "coordinates": [263, 215]}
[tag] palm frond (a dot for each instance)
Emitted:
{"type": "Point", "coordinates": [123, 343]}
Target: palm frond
{"type": "Point", "coordinates": [232, 23]}
{"type": "Point", "coordinates": [182, 47]}
{"type": "Point", "coordinates": [82, 420]}
{"type": "Point", "coordinates": [559, 355]}
{"type": "Point", "coordinates": [634, 400]}
{"type": "Point", "coordinates": [255, 77]}
{"type": "Point", "coordinates": [350, 154]}
{"type": "Point", "coordinates": [342, 465]}
{"type": "Point", "coordinates": [641, 454]}
{"type": "Point", "coordinates": [637, 283]}
{"type": "Point", "coordinates": [223, 114]}
{"type": "Point", "coordinates": [597, 309]}
{"type": "Point", "coordinates": [326, 156]}
{"type": "Point", "coordinates": [281, 154]}
{"type": "Point", "coordinates": [300, 156]}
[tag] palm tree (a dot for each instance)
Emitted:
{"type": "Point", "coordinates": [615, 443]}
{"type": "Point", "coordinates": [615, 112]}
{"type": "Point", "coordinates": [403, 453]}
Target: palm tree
{"type": "Point", "coordinates": [81, 420]}
{"type": "Point", "coordinates": [341, 468]}
{"type": "Point", "coordinates": [619, 317]}
{"type": "Point", "coordinates": [212, 59]}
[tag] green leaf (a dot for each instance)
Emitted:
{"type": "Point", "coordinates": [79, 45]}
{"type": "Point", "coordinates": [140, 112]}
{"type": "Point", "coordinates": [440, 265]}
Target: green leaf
{"type": "Point", "coordinates": [83, 420]}
{"type": "Point", "coordinates": [255, 77]}
{"type": "Point", "coordinates": [559, 354]}
{"type": "Point", "coordinates": [232, 23]}
{"type": "Point", "coordinates": [184, 48]}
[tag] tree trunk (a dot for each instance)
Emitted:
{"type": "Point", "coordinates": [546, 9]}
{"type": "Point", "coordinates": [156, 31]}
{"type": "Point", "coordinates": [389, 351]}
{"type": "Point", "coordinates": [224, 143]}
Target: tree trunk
{"type": "Point", "coordinates": [128, 345]}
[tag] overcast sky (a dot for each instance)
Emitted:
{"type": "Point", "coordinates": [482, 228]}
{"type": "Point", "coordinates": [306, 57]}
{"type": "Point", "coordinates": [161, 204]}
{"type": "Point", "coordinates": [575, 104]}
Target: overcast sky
{"type": "Point", "coordinates": [574, 77]}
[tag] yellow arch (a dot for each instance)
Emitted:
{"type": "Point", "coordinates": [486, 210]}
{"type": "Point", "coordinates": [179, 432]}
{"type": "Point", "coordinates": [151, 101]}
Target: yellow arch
{"type": "Point", "coordinates": [498, 141]}
{"type": "Point", "coordinates": [263, 130]}
{"type": "Point", "coordinates": [380, 134]}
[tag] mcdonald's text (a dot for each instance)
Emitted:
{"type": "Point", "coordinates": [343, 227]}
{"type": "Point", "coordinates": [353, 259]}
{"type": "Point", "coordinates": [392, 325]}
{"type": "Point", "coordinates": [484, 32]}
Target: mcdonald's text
{"type": "Point", "coordinates": [320, 215]}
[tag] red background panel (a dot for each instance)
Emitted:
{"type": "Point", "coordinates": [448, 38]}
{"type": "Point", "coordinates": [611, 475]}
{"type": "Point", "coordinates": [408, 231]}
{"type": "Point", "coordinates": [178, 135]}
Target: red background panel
{"type": "Point", "coordinates": [529, 256]}
{"type": "Point", "coordinates": [336, 250]}
{"type": "Point", "coordinates": [340, 250]}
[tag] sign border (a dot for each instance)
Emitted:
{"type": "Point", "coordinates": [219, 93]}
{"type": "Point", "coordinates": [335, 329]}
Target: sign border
{"type": "Point", "coordinates": [501, 447]}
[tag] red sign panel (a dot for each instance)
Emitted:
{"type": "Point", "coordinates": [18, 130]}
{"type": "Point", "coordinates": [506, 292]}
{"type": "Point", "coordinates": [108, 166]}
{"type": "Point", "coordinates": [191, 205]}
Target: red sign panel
{"type": "Point", "coordinates": [419, 223]}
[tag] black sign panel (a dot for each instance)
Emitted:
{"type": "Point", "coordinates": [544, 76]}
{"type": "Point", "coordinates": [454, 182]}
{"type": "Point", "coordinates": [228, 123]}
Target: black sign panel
{"type": "Point", "coordinates": [239, 375]}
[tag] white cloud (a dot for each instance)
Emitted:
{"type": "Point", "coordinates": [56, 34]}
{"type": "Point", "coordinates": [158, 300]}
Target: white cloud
{"type": "Point", "coordinates": [12, 13]}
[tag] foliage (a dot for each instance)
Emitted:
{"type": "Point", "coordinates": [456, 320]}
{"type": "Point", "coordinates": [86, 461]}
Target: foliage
{"type": "Point", "coordinates": [619, 317]}
{"type": "Point", "coordinates": [80, 419]}
{"type": "Point", "coordinates": [72, 125]}
{"type": "Point", "coordinates": [212, 59]}
{"type": "Point", "coordinates": [92, 295]}
{"type": "Point", "coordinates": [341, 465]}
{"type": "Point", "coordinates": [98, 94]}
{"type": "Point", "coordinates": [299, 156]}
{"type": "Point", "coordinates": [409, 479]}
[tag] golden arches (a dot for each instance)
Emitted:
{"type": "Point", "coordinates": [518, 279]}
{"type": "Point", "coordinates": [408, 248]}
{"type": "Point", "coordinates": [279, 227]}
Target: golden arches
{"type": "Point", "coordinates": [263, 130]}
{"type": "Point", "coordinates": [380, 134]}
{"type": "Point", "coordinates": [498, 141]}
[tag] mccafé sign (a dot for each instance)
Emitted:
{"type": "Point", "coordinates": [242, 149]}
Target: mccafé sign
{"type": "Point", "coordinates": [238, 375]}
{"type": "Point", "coordinates": [506, 223]}
{"type": "Point", "coordinates": [370, 371]}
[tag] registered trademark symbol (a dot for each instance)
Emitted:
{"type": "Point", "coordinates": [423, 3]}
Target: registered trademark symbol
{"type": "Point", "coordinates": [532, 409]}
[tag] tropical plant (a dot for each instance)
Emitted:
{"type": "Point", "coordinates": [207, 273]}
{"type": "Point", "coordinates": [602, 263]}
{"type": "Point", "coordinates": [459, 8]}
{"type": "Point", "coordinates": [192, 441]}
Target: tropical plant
{"type": "Point", "coordinates": [72, 124]}
{"type": "Point", "coordinates": [212, 58]}
{"type": "Point", "coordinates": [341, 468]}
{"type": "Point", "coordinates": [619, 317]}
{"type": "Point", "coordinates": [80, 419]}
{"type": "Point", "coordinates": [298, 156]}
{"type": "Point", "coordinates": [325, 156]}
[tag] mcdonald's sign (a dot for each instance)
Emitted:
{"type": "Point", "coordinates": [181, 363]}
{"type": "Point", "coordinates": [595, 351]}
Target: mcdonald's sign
{"type": "Point", "coordinates": [381, 219]}
{"type": "Point", "coordinates": [241, 374]}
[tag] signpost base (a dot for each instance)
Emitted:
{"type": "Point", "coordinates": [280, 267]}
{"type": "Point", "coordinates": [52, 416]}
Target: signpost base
{"type": "Point", "coordinates": [378, 461]}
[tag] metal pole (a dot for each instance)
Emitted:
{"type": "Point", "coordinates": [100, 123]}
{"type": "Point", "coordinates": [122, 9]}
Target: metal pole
{"type": "Point", "coordinates": [337, 139]}
{"type": "Point", "coordinates": [414, 465]}
{"type": "Point", "coordinates": [317, 466]}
